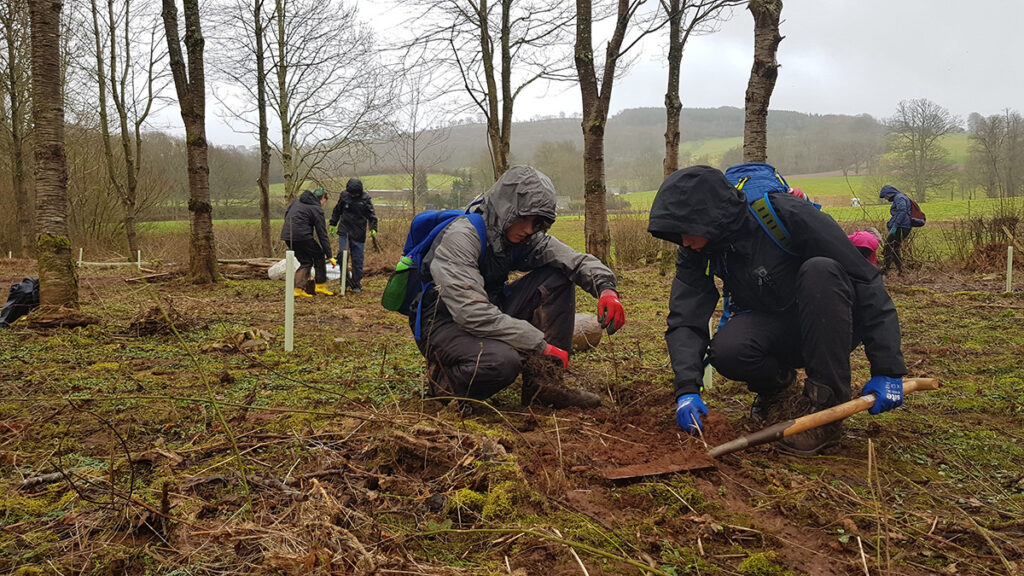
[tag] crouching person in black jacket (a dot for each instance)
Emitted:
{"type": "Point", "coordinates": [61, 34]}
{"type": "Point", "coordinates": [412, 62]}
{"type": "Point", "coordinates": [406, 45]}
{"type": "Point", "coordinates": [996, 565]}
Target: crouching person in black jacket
{"type": "Point", "coordinates": [807, 305]}
{"type": "Point", "coordinates": [304, 218]}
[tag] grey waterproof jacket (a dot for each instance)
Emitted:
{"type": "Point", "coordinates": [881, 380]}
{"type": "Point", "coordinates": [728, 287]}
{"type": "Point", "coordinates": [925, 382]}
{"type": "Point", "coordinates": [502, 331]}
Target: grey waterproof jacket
{"type": "Point", "coordinates": [471, 290]}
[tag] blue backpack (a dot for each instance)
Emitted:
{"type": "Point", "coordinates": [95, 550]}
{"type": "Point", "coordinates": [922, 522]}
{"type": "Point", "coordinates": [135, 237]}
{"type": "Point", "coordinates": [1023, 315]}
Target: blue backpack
{"type": "Point", "coordinates": [757, 181]}
{"type": "Point", "coordinates": [406, 282]}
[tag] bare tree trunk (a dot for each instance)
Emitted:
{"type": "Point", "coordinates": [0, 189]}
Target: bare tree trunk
{"type": "Point", "coordinates": [261, 104]}
{"type": "Point", "coordinates": [58, 279]}
{"type": "Point", "coordinates": [762, 78]}
{"type": "Point", "coordinates": [17, 78]}
{"type": "Point", "coordinates": [673, 105]}
{"type": "Point", "coordinates": [129, 191]}
{"type": "Point", "coordinates": [190, 85]}
{"type": "Point", "coordinates": [284, 116]}
{"type": "Point", "coordinates": [596, 99]}
{"type": "Point", "coordinates": [101, 78]}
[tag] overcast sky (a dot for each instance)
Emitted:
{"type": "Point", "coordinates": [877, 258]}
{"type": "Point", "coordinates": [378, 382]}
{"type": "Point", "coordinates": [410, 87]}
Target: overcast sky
{"type": "Point", "coordinates": [838, 56]}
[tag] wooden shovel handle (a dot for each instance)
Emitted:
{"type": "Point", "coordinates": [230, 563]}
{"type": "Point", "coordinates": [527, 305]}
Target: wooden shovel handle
{"type": "Point", "coordinates": [859, 404]}
{"type": "Point", "coordinates": [805, 423]}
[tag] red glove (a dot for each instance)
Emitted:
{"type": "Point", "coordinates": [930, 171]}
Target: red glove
{"type": "Point", "coordinates": [609, 311]}
{"type": "Point", "coordinates": [562, 355]}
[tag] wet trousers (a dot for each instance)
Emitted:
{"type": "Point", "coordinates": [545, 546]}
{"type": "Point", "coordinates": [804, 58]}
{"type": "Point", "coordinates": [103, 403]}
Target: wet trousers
{"type": "Point", "coordinates": [478, 367]}
{"type": "Point", "coordinates": [816, 333]}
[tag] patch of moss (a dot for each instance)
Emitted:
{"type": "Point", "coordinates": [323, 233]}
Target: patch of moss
{"type": "Point", "coordinates": [44, 507]}
{"type": "Point", "coordinates": [763, 564]}
{"type": "Point", "coordinates": [469, 500]}
{"type": "Point", "coordinates": [505, 500]}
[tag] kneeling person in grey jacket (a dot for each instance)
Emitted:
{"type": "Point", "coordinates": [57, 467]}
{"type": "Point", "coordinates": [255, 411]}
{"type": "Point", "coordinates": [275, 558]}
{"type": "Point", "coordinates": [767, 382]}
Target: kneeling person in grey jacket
{"type": "Point", "coordinates": [478, 332]}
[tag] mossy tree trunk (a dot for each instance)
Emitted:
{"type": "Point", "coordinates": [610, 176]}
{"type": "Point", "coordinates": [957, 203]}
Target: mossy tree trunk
{"type": "Point", "coordinates": [58, 278]}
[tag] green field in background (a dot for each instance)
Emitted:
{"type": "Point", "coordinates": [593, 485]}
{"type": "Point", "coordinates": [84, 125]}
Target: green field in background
{"type": "Point", "coordinates": [441, 182]}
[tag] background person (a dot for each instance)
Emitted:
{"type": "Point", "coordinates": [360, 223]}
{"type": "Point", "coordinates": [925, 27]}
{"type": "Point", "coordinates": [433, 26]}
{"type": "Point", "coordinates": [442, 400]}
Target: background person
{"type": "Point", "coordinates": [304, 218]}
{"type": "Point", "coordinates": [349, 219]}
{"type": "Point", "coordinates": [899, 227]}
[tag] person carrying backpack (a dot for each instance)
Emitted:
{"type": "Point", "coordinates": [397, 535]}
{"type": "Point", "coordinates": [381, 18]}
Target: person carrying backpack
{"type": "Point", "coordinates": [302, 219]}
{"type": "Point", "coordinates": [351, 214]}
{"type": "Point", "coordinates": [477, 331]}
{"type": "Point", "coordinates": [899, 226]}
{"type": "Point", "coordinates": [802, 306]}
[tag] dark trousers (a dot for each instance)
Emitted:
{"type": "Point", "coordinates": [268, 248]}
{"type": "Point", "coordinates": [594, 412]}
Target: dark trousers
{"type": "Point", "coordinates": [310, 256]}
{"type": "Point", "coordinates": [356, 251]}
{"type": "Point", "coordinates": [479, 368]}
{"type": "Point", "coordinates": [892, 252]}
{"type": "Point", "coordinates": [817, 334]}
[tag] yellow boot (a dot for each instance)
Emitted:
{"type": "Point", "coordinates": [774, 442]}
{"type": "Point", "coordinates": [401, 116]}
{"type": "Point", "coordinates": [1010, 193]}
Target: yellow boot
{"type": "Point", "coordinates": [322, 289]}
{"type": "Point", "coordinates": [300, 293]}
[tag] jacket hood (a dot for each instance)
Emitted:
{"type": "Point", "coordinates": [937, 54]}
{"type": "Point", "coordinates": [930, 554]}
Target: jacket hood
{"type": "Point", "coordinates": [888, 192]}
{"type": "Point", "coordinates": [307, 197]}
{"type": "Point", "coordinates": [354, 187]}
{"type": "Point", "coordinates": [697, 200]}
{"type": "Point", "coordinates": [521, 191]}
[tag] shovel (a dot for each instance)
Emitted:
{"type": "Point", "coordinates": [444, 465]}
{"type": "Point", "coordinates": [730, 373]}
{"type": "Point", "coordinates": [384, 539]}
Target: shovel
{"type": "Point", "coordinates": [804, 423]}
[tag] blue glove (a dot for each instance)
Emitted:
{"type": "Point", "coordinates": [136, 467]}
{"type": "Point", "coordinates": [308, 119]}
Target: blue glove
{"type": "Point", "coordinates": [892, 231]}
{"type": "Point", "coordinates": [689, 407]}
{"type": "Point", "coordinates": [888, 393]}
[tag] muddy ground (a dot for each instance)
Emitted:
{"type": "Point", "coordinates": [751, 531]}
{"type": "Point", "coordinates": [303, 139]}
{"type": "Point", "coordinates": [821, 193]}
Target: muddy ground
{"type": "Point", "coordinates": [129, 447]}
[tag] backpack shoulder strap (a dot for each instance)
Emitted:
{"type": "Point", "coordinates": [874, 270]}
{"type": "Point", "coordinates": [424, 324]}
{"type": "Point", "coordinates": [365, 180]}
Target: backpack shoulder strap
{"type": "Point", "coordinates": [765, 214]}
{"type": "Point", "coordinates": [481, 230]}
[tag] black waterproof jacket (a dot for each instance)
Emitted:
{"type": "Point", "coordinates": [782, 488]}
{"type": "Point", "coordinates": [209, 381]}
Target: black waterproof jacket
{"type": "Point", "coordinates": [302, 218]}
{"type": "Point", "coordinates": [353, 210]}
{"type": "Point", "coordinates": [756, 272]}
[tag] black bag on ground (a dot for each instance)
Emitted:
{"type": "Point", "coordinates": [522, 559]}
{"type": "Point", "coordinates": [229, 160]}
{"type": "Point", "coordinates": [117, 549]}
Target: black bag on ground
{"type": "Point", "coordinates": [24, 297]}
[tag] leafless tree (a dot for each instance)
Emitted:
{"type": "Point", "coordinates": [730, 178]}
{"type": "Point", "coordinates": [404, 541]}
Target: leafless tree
{"type": "Point", "coordinates": [15, 119]}
{"type": "Point", "coordinates": [58, 279]}
{"type": "Point", "coordinates": [133, 84]}
{"type": "Point", "coordinates": [496, 50]}
{"type": "Point", "coordinates": [331, 93]}
{"type": "Point", "coordinates": [244, 62]}
{"type": "Point", "coordinates": [597, 95]}
{"type": "Point", "coordinates": [997, 152]}
{"type": "Point", "coordinates": [190, 83]}
{"type": "Point", "coordinates": [763, 75]}
{"type": "Point", "coordinates": [915, 132]}
{"type": "Point", "coordinates": [685, 18]}
{"type": "Point", "coordinates": [421, 129]}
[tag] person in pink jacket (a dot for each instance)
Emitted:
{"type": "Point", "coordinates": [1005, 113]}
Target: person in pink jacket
{"type": "Point", "coordinates": [867, 244]}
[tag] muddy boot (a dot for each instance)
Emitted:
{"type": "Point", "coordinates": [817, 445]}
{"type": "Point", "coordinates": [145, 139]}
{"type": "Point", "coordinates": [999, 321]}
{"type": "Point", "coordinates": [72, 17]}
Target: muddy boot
{"type": "Point", "coordinates": [303, 282]}
{"type": "Point", "coordinates": [437, 382]}
{"type": "Point", "coordinates": [322, 289]}
{"type": "Point", "coordinates": [543, 385]}
{"type": "Point", "coordinates": [768, 406]}
{"type": "Point", "coordinates": [816, 397]}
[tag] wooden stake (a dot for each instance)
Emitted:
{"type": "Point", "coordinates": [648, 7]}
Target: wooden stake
{"type": "Point", "coordinates": [289, 301]}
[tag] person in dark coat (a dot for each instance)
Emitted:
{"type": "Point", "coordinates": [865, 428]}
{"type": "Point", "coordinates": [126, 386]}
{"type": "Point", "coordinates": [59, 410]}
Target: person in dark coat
{"type": "Point", "coordinates": [899, 226]}
{"type": "Point", "coordinates": [807, 307]}
{"type": "Point", "coordinates": [303, 219]}
{"type": "Point", "coordinates": [349, 219]}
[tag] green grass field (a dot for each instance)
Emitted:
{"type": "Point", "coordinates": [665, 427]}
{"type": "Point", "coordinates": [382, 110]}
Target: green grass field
{"type": "Point", "coordinates": [441, 182]}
